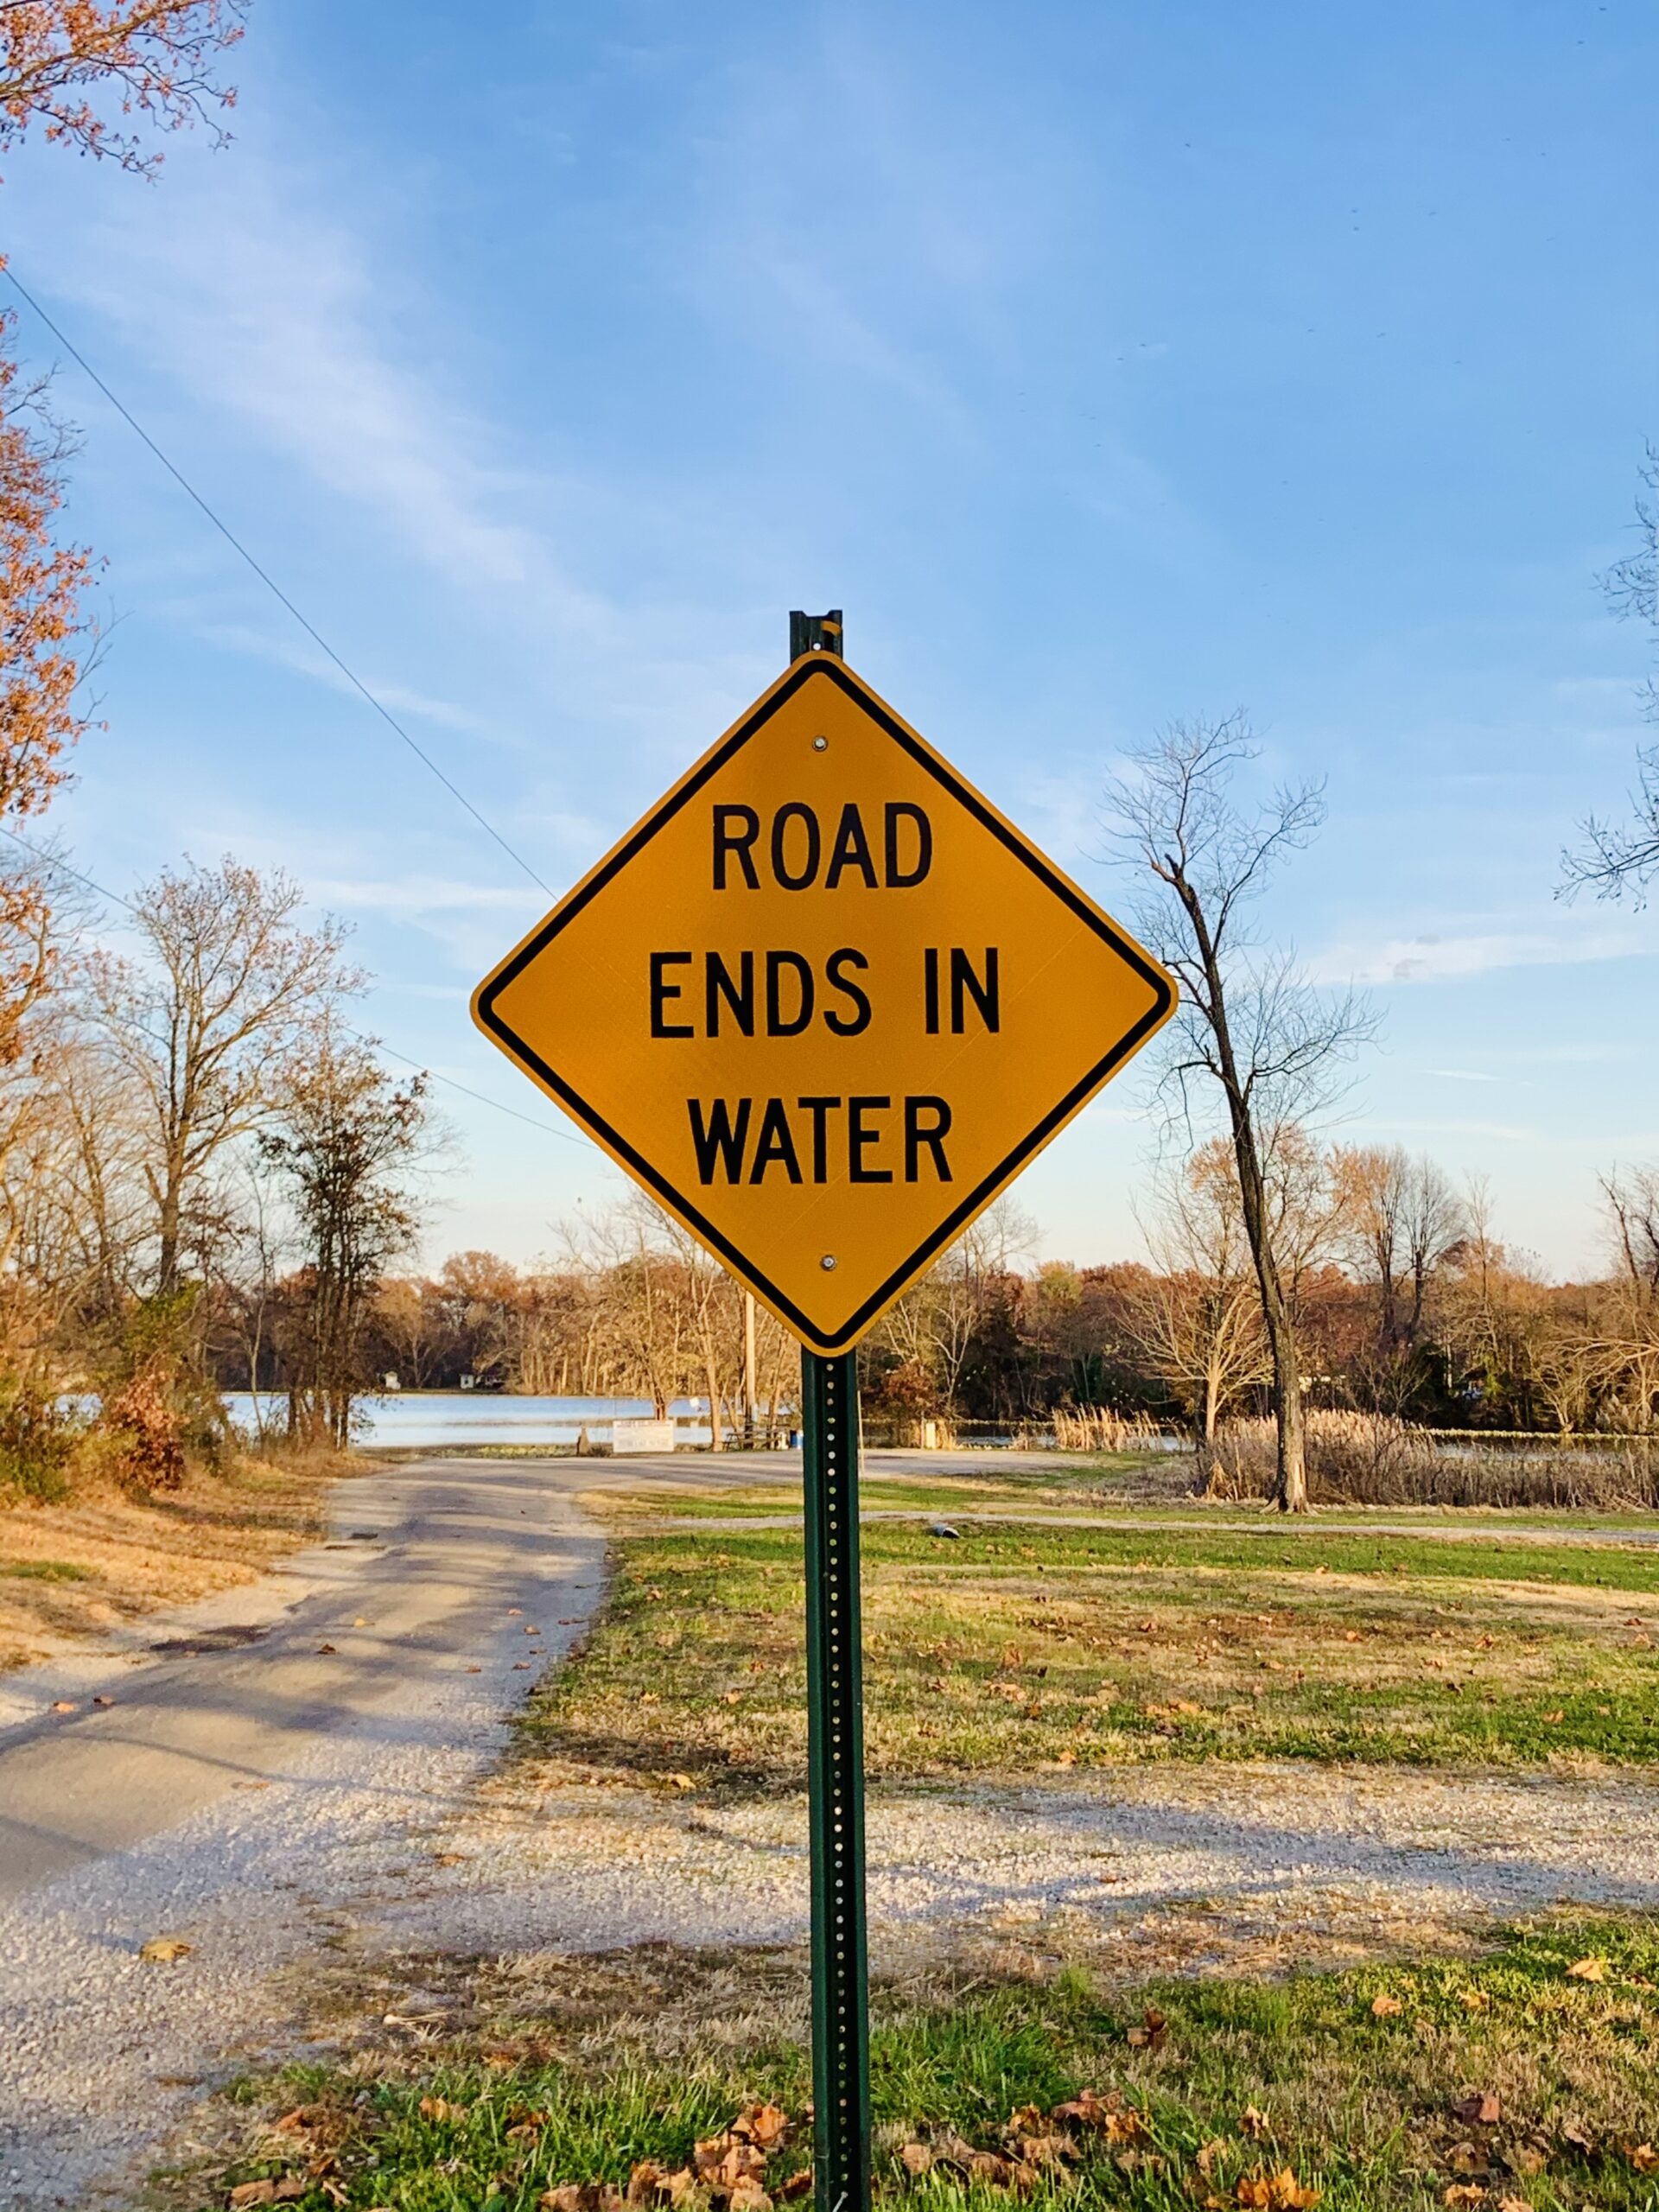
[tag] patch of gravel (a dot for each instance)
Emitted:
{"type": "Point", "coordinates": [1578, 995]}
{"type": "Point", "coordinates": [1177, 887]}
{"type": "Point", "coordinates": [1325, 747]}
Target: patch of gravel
{"type": "Point", "coordinates": [582, 1869]}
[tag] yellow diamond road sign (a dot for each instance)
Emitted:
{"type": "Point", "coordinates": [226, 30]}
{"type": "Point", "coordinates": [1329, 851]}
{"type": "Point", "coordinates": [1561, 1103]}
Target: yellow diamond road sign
{"type": "Point", "coordinates": [824, 1003]}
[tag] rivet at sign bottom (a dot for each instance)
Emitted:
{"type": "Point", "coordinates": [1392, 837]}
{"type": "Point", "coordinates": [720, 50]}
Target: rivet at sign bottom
{"type": "Point", "coordinates": [828, 1260]}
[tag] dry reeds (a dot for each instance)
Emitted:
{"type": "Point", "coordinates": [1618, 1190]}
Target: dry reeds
{"type": "Point", "coordinates": [1355, 1459]}
{"type": "Point", "coordinates": [1094, 1428]}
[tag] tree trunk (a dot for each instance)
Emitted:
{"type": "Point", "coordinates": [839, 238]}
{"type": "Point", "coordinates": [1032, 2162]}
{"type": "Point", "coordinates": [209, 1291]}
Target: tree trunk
{"type": "Point", "coordinates": [1290, 1483]}
{"type": "Point", "coordinates": [1204, 1426]}
{"type": "Point", "coordinates": [716, 1434]}
{"type": "Point", "coordinates": [1290, 1473]}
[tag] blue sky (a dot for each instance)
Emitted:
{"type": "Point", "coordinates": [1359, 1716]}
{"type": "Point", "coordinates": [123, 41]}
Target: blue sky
{"type": "Point", "coordinates": [1107, 363]}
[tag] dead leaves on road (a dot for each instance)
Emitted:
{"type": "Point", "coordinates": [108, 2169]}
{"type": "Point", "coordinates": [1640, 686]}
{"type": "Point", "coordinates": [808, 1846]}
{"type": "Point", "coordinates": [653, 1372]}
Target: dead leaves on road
{"type": "Point", "coordinates": [164, 1950]}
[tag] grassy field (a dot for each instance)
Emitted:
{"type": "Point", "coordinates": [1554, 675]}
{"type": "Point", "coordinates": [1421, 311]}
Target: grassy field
{"type": "Point", "coordinates": [1022, 1647]}
{"type": "Point", "coordinates": [1524, 2080]}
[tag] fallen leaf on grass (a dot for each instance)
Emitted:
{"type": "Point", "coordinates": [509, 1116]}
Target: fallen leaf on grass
{"type": "Point", "coordinates": [1642, 2156]}
{"type": "Point", "coordinates": [1039, 2151]}
{"type": "Point", "coordinates": [1150, 2030]}
{"type": "Point", "coordinates": [1468, 2159]}
{"type": "Point", "coordinates": [1465, 2192]}
{"type": "Point", "coordinates": [1255, 2123]}
{"type": "Point", "coordinates": [1216, 2147]}
{"type": "Point", "coordinates": [288, 2190]}
{"type": "Point", "coordinates": [440, 2110]}
{"type": "Point", "coordinates": [582, 2196]}
{"type": "Point", "coordinates": [162, 1950]}
{"type": "Point", "coordinates": [915, 2157]}
{"type": "Point", "coordinates": [1105, 2113]}
{"type": "Point", "coordinates": [1474, 2000]}
{"type": "Point", "coordinates": [765, 2125]}
{"type": "Point", "coordinates": [1578, 2139]}
{"type": "Point", "coordinates": [1384, 2007]}
{"type": "Point", "coordinates": [798, 2185]}
{"type": "Point", "coordinates": [1590, 1969]}
{"type": "Point", "coordinates": [1554, 1719]}
{"type": "Point", "coordinates": [1278, 2192]}
{"type": "Point", "coordinates": [1479, 2108]}
{"type": "Point", "coordinates": [722, 2161]}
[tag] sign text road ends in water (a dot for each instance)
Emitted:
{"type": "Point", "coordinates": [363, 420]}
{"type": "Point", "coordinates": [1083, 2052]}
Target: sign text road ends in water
{"type": "Point", "coordinates": [824, 1003]}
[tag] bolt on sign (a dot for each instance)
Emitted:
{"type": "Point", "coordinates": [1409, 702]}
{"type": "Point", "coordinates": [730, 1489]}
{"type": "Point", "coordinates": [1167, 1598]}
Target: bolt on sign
{"type": "Point", "coordinates": [824, 1003]}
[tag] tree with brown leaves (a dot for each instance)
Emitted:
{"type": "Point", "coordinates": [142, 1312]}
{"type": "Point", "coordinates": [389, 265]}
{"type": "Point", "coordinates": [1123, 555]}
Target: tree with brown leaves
{"type": "Point", "coordinates": [85, 75]}
{"type": "Point", "coordinates": [80, 71]}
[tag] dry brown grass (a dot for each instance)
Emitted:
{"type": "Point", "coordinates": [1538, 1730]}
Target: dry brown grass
{"type": "Point", "coordinates": [70, 1572]}
{"type": "Point", "coordinates": [1357, 1458]}
{"type": "Point", "coordinates": [1094, 1428]}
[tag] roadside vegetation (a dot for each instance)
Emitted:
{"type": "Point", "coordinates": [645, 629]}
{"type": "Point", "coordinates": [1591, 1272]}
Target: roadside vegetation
{"type": "Point", "coordinates": [78, 1568]}
{"type": "Point", "coordinates": [1021, 1646]}
{"type": "Point", "coordinates": [1524, 2075]}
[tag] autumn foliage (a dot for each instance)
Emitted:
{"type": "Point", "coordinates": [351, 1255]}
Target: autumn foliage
{"type": "Point", "coordinates": [78, 70]}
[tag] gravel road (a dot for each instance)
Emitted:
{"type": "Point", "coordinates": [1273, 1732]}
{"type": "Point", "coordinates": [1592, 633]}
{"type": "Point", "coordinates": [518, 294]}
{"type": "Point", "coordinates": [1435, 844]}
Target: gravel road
{"type": "Point", "coordinates": [243, 1798]}
{"type": "Point", "coordinates": [590, 1870]}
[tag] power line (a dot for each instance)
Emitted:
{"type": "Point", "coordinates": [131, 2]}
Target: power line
{"type": "Point", "coordinates": [269, 581]}
{"type": "Point", "coordinates": [372, 1044]}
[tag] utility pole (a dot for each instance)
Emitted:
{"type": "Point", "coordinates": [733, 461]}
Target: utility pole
{"type": "Point", "coordinates": [748, 1372]}
{"type": "Point", "coordinates": [841, 2038]}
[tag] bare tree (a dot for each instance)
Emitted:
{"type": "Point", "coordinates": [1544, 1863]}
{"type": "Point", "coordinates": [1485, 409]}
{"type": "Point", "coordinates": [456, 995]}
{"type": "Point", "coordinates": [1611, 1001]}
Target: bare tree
{"type": "Point", "coordinates": [226, 984]}
{"type": "Point", "coordinates": [1618, 857]}
{"type": "Point", "coordinates": [1249, 1021]}
{"type": "Point", "coordinates": [1196, 1322]}
{"type": "Point", "coordinates": [1633, 1200]}
{"type": "Point", "coordinates": [1403, 1217]}
{"type": "Point", "coordinates": [934, 1325]}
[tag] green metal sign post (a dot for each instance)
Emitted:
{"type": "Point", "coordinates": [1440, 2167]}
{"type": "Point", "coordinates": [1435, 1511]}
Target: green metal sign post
{"type": "Point", "coordinates": [834, 1695]}
{"type": "Point", "coordinates": [834, 1720]}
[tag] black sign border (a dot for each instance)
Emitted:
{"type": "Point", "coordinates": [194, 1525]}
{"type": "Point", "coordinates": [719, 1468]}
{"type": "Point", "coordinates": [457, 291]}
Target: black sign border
{"type": "Point", "coordinates": [824, 668]}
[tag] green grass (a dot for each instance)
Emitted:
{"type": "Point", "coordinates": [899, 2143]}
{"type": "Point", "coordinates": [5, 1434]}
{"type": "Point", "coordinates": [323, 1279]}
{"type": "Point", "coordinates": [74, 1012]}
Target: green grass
{"type": "Point", "coordinates": [1025, 1647]}
{"type": "Point", "coordinates": [1358, 2104]}
{"type": "Point", "coordinates": [47, 1570]}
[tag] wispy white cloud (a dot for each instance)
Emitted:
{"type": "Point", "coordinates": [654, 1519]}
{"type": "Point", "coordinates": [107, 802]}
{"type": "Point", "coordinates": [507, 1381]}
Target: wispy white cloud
{"type": "Point", "coordinates": [273, 311]}
{"type": "Point", "coordinates": [412, 897]}
{"type": "Point", "coordinates": [1465, 1075]}
{"type": "Point", "coordinates": [400, 698]}
{"type": "Point", "coordinates": [1434, 957]}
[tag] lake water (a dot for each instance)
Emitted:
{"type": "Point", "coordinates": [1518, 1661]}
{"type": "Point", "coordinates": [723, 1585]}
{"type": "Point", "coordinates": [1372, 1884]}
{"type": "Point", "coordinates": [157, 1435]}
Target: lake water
{"type": "Point", "coordinates": [425, 1419]}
